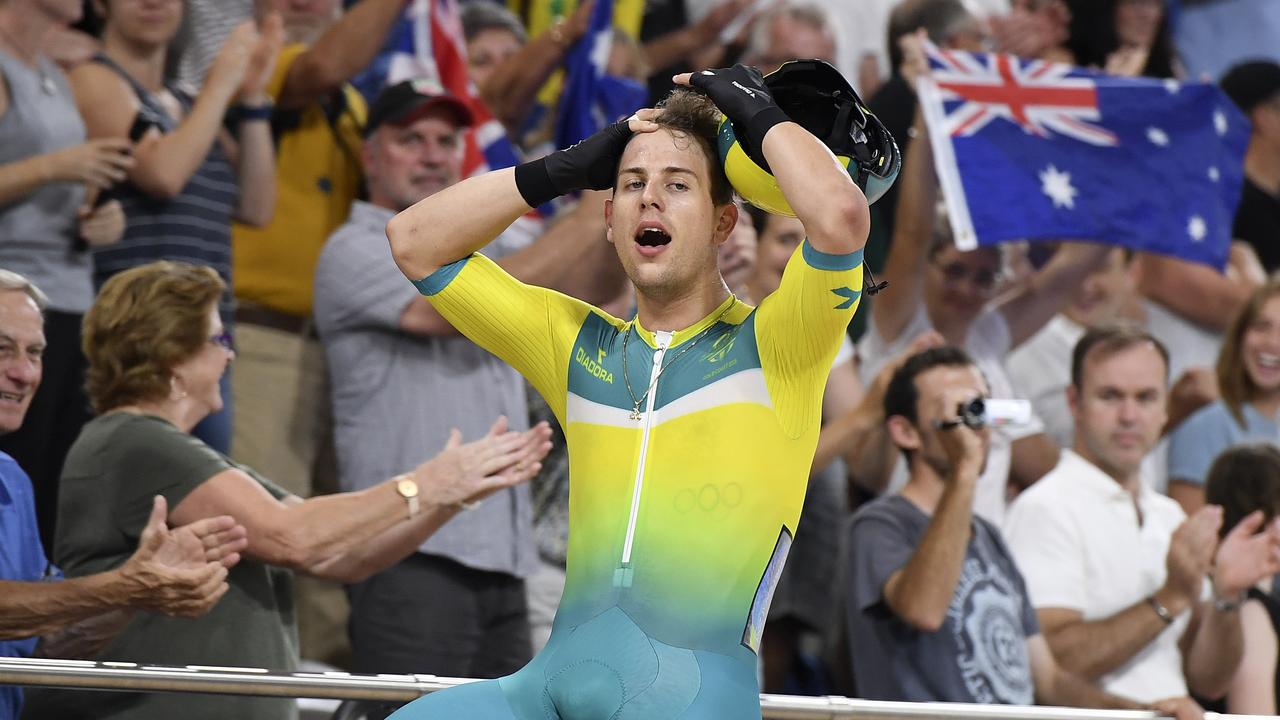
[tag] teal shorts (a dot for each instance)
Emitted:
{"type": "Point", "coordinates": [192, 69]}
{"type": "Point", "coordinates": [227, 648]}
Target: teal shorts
{"type": "Point", "coordinates": [605, 669]}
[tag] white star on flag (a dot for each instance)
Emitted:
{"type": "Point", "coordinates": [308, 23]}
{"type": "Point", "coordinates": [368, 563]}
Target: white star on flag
{"type": "Point", "coordinates": [1173, 86]}
{"type": "Point", "coordinates": [1157, 136]}
{"type": "Point", "coordinates": [1220, 122]}
{"type": "Point", "coordinates": [601, 44]}
{"type": "Point", "coordinates": [1196, 228]}
{"type": "Point", "coordinates": [1057, 185]}
{"type": "Point", "coordinates": [1214, 175]}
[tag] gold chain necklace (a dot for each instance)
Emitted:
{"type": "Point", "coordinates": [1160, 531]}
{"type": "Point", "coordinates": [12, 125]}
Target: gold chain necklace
{"type": "Point", "coordinates": [626, 376]}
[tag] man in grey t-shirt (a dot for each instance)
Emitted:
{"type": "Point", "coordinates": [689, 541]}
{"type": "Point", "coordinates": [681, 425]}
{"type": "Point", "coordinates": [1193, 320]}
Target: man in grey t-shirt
{"type": "Point", "coordinates": [938, 611]}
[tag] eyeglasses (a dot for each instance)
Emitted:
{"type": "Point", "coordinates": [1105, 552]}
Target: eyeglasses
{"type": "Point", "coordinates": [222, 340]}
{"type": "Point", "coordinates": [955, 273]}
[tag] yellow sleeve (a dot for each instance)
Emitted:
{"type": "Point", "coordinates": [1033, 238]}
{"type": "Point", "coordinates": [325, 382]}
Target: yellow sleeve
{"type": "Point", "coordinates": [799, 328]}
{"type": "Point", "coordinates": [284, 61]}
{"type": "Point", "coordinates": [530, 328]}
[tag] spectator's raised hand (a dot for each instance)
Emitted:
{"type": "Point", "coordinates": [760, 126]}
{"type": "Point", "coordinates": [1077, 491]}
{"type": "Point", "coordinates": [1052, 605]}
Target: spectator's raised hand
{"type": "Point", "coordinates": [102, 225]}
{"type": "Point", "coordinates": [262, 61]}
{"type": "Point", "coordinates": [708, 29]}
{"type": "Point", "coordinates": [1023, 33]}
{"type": "Point", "coordinates": [578, 23]}
{"type": "Point", "coordinates": [914, 63]}
{"type": "Point", "coordinates": [1246, 556]}
{"type": "Point", "coordinates": [231, 64]}
{"type": "Point", "coordinates": [1194, 388]}
{"type": "Point", "coordinates": [97, 163]}
{"type": "Point", "coordinates": [1179, 708]}
{"type": "Point", "coordinates": [464, 473]}
{"type": "Point", "coordinates": [182, 572]}
{"type": "Point", "coordinates": [1127, 61]}
{"type": "Point", "coordinates": [1191, 551]}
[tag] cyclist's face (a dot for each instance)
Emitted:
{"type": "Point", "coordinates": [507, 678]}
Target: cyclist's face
{"type": "Point", "coordinates": [661, 218]}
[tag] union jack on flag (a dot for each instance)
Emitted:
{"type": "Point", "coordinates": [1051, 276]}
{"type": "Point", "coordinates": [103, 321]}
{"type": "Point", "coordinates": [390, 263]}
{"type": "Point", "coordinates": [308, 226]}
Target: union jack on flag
{"type": "Point", "coordinates": [1028, 149]}
{"type": "Point", "coordinates": [439, 52]}
{"type": "Point", "coordinates": [428, 44]}
{"type": "Point", "coordinates": [1038, 96]}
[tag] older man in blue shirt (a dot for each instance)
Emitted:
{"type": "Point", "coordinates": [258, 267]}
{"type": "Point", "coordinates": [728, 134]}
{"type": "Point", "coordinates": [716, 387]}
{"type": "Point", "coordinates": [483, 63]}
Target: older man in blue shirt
{"type": "Point", "coordinates": [180, 572]}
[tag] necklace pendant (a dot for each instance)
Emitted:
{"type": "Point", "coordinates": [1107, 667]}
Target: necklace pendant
{"type": "Point", "coordinates": [635, 413]}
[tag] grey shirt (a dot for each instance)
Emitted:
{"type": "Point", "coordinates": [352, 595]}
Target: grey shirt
{"type": "Point", "coordinates": [979, 655]}
{"type": "Point", "coordinates": [396, 395]}
{"type": "Point", "coordinates": [38, 231]}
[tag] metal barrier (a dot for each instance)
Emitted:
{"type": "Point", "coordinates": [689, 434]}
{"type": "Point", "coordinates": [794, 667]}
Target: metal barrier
{"type": "Point", "coordinates": [116, 676]}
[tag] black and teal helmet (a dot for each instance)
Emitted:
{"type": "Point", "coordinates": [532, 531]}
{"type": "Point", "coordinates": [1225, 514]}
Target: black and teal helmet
{"type": "Point", "coordinates": [815, 96]}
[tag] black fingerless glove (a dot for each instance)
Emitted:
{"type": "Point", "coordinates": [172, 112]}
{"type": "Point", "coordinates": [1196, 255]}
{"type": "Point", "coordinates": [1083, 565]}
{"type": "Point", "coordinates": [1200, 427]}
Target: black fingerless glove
{"type": "Point", "coordinates": [589, 165]}
{"type": "Point", "coordinates": [740, 93]}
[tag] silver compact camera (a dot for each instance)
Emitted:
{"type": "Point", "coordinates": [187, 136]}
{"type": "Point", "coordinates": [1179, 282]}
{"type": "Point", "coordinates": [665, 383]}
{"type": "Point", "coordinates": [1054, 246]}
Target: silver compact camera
{"type": "Point", "coordinates": [991, 412]}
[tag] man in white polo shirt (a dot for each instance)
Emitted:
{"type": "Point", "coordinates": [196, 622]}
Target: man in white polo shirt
{"type": "Point", "coordinates": [1116, 571]}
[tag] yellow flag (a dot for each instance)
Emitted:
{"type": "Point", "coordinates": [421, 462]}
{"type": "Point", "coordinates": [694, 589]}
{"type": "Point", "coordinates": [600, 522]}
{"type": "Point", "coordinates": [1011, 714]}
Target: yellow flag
{"type": "Point", "coordinates": [538, 15]}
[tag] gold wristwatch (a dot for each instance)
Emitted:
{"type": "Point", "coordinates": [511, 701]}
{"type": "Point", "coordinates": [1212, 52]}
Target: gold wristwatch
{"type": "Point", "coordinates": [408, 490]}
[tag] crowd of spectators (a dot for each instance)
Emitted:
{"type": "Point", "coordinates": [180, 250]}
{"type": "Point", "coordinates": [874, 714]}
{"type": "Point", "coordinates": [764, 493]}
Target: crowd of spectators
{"type": "Point", "coordinates": [214, 378]}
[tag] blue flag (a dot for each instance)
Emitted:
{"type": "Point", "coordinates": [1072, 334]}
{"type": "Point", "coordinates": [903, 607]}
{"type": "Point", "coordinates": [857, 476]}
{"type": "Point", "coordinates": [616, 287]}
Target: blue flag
{"type": "Point", "coordinates": [1027, 149]}
{"type": "Point", "coordinates": [592, 99]}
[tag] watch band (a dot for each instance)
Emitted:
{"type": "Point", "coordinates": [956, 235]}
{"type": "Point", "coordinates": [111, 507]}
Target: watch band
{"type": "Point", "coordinates": [407, 488]}
{"type": "Point", "coordinates": [1221, 604]}
{"type": "Point", "coordinates": [1161, 610]}
{"type": "Point", "coordinates": [244, 113]}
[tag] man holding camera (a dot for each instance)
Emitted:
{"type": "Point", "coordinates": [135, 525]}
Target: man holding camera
{"type": "Point", "coordinates": [1117, 570]}
{"type": "Point", "coordinates": [938, 608]}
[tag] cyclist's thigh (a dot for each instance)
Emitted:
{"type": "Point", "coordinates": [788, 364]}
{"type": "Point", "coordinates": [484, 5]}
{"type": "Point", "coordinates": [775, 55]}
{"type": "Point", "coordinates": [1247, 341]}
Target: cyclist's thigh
{"type": "Point", "coordinates": [474, 701]}
{"type": "Point", "coordinates": [728, 691]}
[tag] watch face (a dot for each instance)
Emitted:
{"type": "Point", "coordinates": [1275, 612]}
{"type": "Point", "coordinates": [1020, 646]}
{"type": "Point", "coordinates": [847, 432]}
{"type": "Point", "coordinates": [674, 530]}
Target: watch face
{"type": "Point", "coordinates": [407, 488]}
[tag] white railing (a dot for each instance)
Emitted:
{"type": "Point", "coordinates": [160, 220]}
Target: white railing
{"type": "Point", "coordinates": [89, 675]}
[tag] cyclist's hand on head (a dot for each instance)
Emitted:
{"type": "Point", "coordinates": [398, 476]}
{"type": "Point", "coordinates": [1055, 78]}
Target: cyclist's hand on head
{"type": "Point", "coordinates": [740, 93]}
{"type": "Point", "coordinates": [591, 164]}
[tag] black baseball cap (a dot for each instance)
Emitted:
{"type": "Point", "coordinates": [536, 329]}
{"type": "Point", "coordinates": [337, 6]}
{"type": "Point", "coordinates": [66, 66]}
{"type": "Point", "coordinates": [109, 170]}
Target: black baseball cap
{"type": "Point", "coordinates": [408, 100]}
{"type": "Point", "coordinates": [1252, 83]}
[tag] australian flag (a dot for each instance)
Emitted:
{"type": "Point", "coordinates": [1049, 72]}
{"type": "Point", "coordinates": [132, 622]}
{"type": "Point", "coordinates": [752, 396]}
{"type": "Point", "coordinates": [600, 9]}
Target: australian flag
{"type": "Point", "coordinates": [1027, 149]}
{"type": "Point", "coordinates": [591, 97]}
{"type": "Point", "coordinates": [427, 43]}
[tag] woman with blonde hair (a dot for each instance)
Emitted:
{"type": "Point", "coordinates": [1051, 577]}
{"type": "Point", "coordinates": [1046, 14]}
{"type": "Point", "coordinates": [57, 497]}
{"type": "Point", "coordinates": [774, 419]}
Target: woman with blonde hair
{"type": "Point", "coordinates": [1249, 386]}
{"type": "Point", "coordinates": [157, 349]}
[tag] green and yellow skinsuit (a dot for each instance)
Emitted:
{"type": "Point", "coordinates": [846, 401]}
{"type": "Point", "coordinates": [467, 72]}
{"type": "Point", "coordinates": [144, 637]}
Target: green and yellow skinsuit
{"type": "Point", "coordinates": [680, 514]}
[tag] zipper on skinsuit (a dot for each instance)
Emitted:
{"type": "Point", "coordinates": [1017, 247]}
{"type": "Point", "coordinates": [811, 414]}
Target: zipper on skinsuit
{"type": "Point", "coordinates": [622, 575]}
